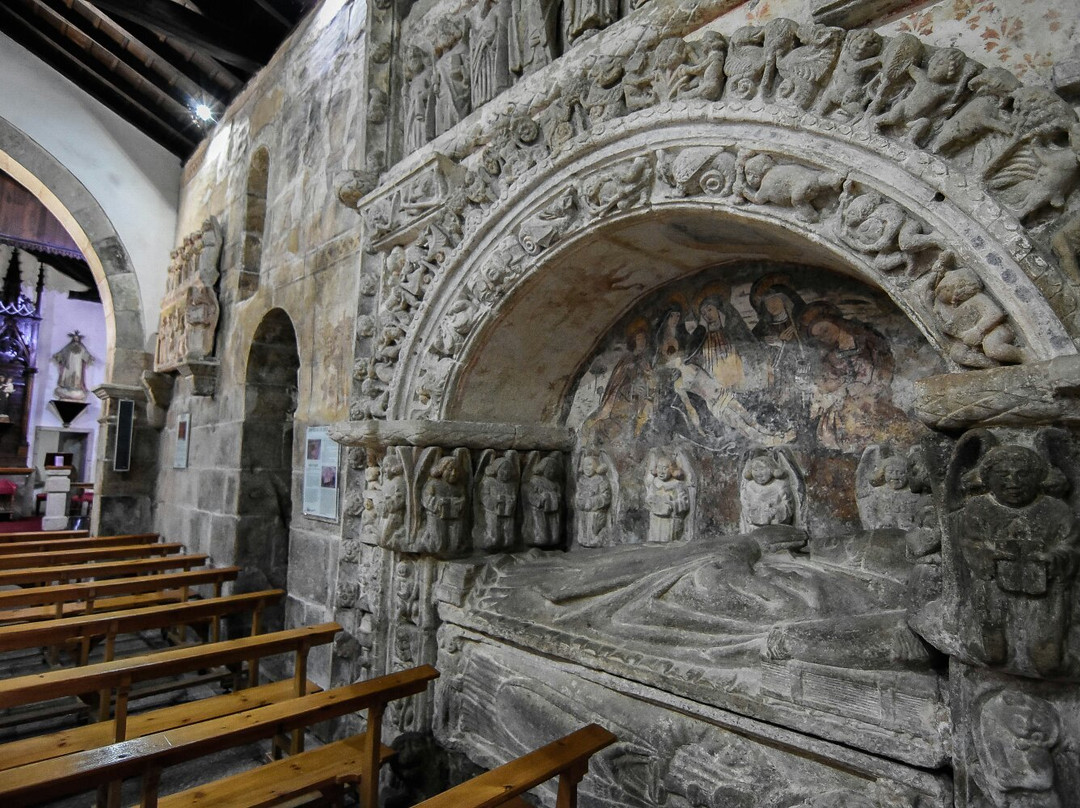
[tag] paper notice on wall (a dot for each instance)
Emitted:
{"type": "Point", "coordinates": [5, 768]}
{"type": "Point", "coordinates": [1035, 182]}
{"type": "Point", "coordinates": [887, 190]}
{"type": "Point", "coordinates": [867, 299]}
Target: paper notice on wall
{"type": "Point", "coordinates": [320, 474]}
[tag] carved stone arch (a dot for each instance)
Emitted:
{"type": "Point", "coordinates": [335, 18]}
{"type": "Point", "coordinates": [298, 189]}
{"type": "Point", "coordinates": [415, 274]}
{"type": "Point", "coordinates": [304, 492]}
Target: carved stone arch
{"type": "Point", "coordinates": [969, 225]}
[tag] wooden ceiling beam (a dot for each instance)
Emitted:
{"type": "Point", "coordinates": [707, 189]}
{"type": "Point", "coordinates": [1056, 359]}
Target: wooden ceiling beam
{"type": "Point", "coordinates": [227, 45]}
{"type": "Point", "coordinates": [199, 68]}
{"type": "Point", "coordinates": [164, 87]}
{"type": "Point", "coordinates": [62, 57]}
{"type": "Point", "coordinates": [169, 77]}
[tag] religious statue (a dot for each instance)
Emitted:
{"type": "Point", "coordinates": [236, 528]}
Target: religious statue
{"type": "Point", "coordinates": [529, 38]}
{"type": "Point", "coordinates": [489, 67]}
{"type": "Point", "coordinates": [452, 75]}
{"type": "Point", "coordinates": [542, 490]}
{"type": "Point", "coordinates": [890, 489]}
{"type": "Point", "coordinates": [770, 491]}
{"type": "Point", "coordinates": [496, 501]}
{"type": "Point", "coordinates": [1017, 548]}
{"type": "Point", "coordinates": [392, 503]}
{"type": "Point", "coordinates": [667, 498]}
{"type": "Point", "coordinates": [593, 501]}
{"type": "Point", "coordinates": [419, 111]}
{"type": "Point", "coordinates": [73, 360]}
{"type": "Point", "coordinates": [585, 18]}
{"type": "Point", "coordinates": [443, 501]}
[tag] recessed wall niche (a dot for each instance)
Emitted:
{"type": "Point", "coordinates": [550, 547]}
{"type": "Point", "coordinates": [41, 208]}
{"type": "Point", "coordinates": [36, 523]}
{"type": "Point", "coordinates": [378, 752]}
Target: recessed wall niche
{"type": "Point", "coordinates": [797, 363]}
{"type": "Point", "coordinates": [254, 222]}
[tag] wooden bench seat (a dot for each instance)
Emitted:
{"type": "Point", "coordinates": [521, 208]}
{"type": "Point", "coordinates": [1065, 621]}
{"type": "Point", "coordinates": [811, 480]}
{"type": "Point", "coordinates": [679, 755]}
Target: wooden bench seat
{"type": "Point", "coordinates": [86, 596]}
{"type": "Point", "coordinates": [42, 535]}
{"type": "Point", "coordinates": [108, 625]}
{"type": "Point", "coordinates": [102, 733]}
{"type": "Point", "coordinates": [80, 543]}
{"type": "Point", "coordinates": [145, 757]}
{"type": "Point", "coordinates": [567, 758]}
{"type": "Point", "coordinates": [49, 558]}
{"type": "Point", "coordinates": [103, 569]}
{"type": "Point", "coordinates": [318, 770]}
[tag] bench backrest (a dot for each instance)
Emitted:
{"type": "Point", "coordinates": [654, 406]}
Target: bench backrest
{"type": "Point", "coordinates": [109, 624]}
{"type": "Point", "coordinates": [89, 591]}
{"type": "Point", "coordinates": [567, 758]}
{"type": "Point", "coordinates": [149, 754]}
{"type": "Point", "coordinates": [42, 535]}
{"type": "Point", "coordinates": [102, 569]}
{"type": "Point", "coordinates": [51, 558]}
{"type": "Point", "coordinates": [20, 690]}
{"type": "Point", "coordinates": [79, 543]}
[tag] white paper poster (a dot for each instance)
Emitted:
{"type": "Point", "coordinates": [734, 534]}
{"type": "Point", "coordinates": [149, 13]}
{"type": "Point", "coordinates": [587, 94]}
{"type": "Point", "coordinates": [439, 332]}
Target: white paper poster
{"type": "Point", "coordinates": [320, 474]}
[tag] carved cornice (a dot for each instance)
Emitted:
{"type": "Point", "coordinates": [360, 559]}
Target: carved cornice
{"type": "Point", "coordinates": [448, 434]}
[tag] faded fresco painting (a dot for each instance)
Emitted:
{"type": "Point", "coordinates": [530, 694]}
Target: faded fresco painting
{"type": "Point", "coordinates": [759, 384]}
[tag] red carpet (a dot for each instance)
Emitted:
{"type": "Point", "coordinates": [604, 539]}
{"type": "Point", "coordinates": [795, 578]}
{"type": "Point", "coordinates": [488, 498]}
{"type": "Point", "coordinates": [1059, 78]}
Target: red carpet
{"type": "Point", "coordinates": [20, 525]}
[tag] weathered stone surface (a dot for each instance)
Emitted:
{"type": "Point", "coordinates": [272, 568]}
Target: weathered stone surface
{"type": "Point", "coordinates": [1029, 395]}
{"type": "Point", "coordinates": [474, 435]}
{"type": "Point", "coordinates": [497, 701]}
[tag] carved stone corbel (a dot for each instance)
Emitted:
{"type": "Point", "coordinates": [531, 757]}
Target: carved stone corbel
{"type": "Point", "coordinates": [159, 392]}
{"type": "Point", "coordinates": [203, 374]}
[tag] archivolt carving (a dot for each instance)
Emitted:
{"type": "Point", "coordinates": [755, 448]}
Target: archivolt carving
{"type": "Point", "coordinates": [910, 163]}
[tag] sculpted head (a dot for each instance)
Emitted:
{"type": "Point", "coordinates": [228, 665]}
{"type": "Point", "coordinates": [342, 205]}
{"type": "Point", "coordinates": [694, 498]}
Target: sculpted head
{"type": "Point", "coordinates": [945, 65]}
{"type": "Point", "coordinates": [763, 470]}
{"type": "Point", "coordinates": [958, 285]}
{"type": "Point", "coordinates": [1013, 474]}
{"type": "Point", "coordinates": [863, 43]}
{"type": "Point", "coordinates": [895, 473]}
{"type": "Point", "coordinates": [447, 470]}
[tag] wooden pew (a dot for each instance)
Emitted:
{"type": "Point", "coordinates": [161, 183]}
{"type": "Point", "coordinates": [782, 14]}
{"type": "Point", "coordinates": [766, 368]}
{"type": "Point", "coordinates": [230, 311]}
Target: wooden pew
{"type": "Point", "coordinates": [120, 677]}
{"type": "Point", "coordinates": [50, 558]}
{"type": "Point", "coordinates": [113, 569]}
{"type": "Point", "coordinates": [567, 758]}
{"type": "Point", "coordinates": [145, 757]}
{"type": "Point", "coordinates": [80, 543]}
{"type": "Point", "coordinates": [108, 625]}
{"type": "Point", "coordinates": [68, 600]}
{"type": "Point", "coordinates": [42, 535]}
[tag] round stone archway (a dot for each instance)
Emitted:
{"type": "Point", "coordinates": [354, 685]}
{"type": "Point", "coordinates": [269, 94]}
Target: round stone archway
{"type": "Point", "coordinates": [122, 501]}
{"type": "Point", "coordinates": [631, 176]}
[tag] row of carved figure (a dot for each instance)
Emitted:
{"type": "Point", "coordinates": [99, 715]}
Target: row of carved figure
{"type": "Point", "coordinates": [438, 503]}
{"type": "Point", "coordinates": [422, 501]}
{"type": "Point", "coordinates": [1023, 141]}
{"type": "Point", "coordinates": [473, 57]}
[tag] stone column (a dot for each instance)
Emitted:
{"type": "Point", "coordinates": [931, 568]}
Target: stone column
{"type": "Point", "coordinates": [123, 501]}
{"type": "Point", "coordinates": [57, 496]}
{"type": "Point", "coordinates": [1005, 604]}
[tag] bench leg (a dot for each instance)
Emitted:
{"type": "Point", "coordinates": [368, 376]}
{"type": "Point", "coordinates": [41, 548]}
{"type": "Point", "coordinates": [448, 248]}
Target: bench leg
{"type": "Point", "coordinates": [151, 780]}
{"type": "Point", "coordinates": [568, 782]}
{"type": "Point", "coordinates": [369, 781]}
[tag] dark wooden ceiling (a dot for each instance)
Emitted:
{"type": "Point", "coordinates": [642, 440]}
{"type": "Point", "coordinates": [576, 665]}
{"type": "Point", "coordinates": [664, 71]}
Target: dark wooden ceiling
{"type": "Point", "coordinates": [153, 61]}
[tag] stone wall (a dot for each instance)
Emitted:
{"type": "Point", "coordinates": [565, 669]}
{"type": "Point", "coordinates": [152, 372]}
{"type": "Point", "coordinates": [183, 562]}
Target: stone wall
{"type": "Point", "coordinates": [644, 347]}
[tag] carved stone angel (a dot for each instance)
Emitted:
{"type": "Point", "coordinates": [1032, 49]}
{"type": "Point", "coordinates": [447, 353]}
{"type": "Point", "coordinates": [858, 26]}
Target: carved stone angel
{"type": "Point", "coordinates": [890, 490]}
{"type": "Point", "coordinates": [772, 491]}
{"type": "Point", "coordinates": [667, 496]}
{"type": "Point", "coordinates": [1015, 545]}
